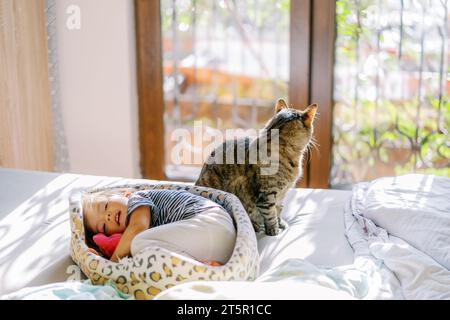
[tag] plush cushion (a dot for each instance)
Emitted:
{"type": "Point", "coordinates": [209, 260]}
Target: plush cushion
{"type": "Point", "coordinates": [156, 269]}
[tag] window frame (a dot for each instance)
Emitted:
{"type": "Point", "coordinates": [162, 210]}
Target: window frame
{"type": "Point", "coordinates": [312, 36]}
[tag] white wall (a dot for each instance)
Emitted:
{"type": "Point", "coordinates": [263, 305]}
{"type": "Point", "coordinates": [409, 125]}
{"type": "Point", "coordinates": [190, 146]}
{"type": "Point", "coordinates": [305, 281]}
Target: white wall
{"type": "Point", "coordinates": [98, 87]}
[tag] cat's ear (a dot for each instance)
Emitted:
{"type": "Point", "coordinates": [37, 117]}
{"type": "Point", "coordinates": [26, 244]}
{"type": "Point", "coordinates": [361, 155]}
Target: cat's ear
{"type": "Point", "coordinates": [281, 104]}
{"type": "Point", "coordinates": [308, 114]}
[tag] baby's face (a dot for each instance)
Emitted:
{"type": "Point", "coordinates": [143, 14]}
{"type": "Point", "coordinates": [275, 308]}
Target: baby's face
{"type": "Point", "coordinates": [107, 215]}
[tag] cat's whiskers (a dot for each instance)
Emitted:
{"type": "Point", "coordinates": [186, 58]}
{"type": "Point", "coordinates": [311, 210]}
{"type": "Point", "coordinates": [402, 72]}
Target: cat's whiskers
{"type": "Point", "coordinates": [308, 151]}
{"type": "Point", "coordinates": [314, 143]}
{"type": "Point", "coordinates": [316, 116]}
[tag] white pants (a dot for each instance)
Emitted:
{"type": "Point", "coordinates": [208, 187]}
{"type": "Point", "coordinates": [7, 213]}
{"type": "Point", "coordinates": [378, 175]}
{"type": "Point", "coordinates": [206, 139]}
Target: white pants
{"type": "Point", "coordinates": [208, 236]}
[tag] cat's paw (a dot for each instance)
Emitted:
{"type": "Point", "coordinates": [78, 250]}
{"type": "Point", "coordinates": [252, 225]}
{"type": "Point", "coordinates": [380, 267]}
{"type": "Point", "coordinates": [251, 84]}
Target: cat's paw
{"type": "Point", "coordinates": [256, 226]}
{"type": "Point", "coordinates": [282, 224]}
{"type": "Point", "coordinates": [279, 209]}
{"type": "Point", "coordinates": [272, 231]}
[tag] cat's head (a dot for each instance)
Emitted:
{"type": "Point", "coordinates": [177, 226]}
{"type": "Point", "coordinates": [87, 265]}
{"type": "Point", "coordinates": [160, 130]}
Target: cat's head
{"type": "Point", "coordinates": [293, 123]}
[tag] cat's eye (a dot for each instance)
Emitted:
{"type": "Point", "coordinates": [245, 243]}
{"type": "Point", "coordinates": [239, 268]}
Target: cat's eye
{"type": "Point", "coordinates": [106, 205]}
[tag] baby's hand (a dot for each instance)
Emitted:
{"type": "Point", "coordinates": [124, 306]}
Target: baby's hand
{"type": "Point", "coordinates": [93, 251]}
{"type": "Point", "coordinates": [212, 263]}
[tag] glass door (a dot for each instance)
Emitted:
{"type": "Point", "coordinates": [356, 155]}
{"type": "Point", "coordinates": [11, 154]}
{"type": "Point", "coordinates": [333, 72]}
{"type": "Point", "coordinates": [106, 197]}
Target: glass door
{"type": "Point", "coordinates": [225, 63]}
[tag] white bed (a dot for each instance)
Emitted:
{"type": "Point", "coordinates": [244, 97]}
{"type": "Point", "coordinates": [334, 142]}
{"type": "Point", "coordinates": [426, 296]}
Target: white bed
{"type": "Point", "coordinates": [35, 231]}
{"type": "Point", "coordinates": [386, 239]}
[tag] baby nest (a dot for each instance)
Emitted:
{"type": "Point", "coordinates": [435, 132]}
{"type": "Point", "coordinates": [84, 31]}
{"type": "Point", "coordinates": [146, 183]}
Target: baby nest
{"type": "Point", "coordinates": [156, 269]}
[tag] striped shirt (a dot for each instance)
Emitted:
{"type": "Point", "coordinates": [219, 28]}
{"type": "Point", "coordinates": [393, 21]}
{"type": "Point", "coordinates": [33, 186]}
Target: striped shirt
{"type": "Point", "coordinates": [168, 205]}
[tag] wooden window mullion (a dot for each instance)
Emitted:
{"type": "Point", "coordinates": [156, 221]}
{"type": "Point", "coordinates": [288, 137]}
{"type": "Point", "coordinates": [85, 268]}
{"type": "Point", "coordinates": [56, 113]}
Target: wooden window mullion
{"type": "Point", "coordinates": [150, 88]}
{"type": "Point", "coordinates": [299, 88]}
{"type": "Point", "coordinates": [322, 61]}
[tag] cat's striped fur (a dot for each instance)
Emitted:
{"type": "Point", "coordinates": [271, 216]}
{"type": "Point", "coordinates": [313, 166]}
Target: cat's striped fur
{"type": "Point", "coordinates": [262, 194]}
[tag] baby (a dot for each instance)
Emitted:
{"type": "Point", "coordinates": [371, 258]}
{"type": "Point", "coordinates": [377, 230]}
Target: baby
{"type": "Point", "coordinates": [177, 220]}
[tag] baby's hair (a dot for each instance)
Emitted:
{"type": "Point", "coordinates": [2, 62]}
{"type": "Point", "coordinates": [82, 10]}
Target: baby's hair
{"type": "Point", "coordinates": [86, 203]}
{"type": "Point", "coordinates": [87, 200]}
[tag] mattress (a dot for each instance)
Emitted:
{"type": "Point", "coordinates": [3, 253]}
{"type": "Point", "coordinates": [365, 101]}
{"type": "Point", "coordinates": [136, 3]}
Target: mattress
{"type": "Point", "coordinates": [35, 230]}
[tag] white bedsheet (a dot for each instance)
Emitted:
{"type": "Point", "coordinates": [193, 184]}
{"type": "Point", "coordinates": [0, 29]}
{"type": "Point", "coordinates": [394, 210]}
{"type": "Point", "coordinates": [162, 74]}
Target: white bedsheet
{"type": "Point", "coordinates": [400, 228]}
{"type": "Point", "coordinates": [316, 231]}
{"type": "Point", "coordinates": [35, 231]}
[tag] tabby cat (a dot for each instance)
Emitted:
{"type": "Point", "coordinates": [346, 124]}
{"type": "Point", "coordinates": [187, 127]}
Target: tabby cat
{"type": "Point", "coordinates": [262, 192]}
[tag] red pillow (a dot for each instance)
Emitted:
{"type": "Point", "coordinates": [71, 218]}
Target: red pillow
{"type": "Point", "coordinates": [106, 244]}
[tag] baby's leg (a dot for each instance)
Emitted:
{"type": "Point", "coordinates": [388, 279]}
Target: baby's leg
{"type": "Point", "coordinates": [145, 240]}
{"type": "Point", "coordinates": [208, 236]}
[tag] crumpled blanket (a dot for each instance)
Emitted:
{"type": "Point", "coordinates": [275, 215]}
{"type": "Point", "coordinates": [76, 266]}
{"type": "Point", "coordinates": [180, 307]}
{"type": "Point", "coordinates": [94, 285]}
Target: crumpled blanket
{"type": "Point", "coordinates": [399, 228]}
{"type": "Point", "coordinates": [294, 279]}
{"type": "Point", "coordinates": [70, 290]}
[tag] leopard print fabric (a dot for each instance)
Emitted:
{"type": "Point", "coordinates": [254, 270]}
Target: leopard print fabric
{"type": "Point", "coordinates": [156, 269]}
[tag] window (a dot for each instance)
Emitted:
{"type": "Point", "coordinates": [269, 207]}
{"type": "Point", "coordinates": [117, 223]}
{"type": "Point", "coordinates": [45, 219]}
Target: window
{"type": "Point", "coordinates": [225, 63]}
{"type": "Point", "coordinates": [379, 71]}
{"type": "Point", "coordinates": [391, 93]}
